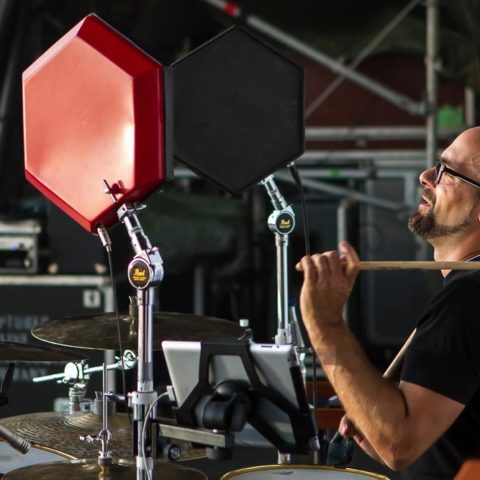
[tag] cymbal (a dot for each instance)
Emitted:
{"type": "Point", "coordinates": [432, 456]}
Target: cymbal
{"type": "Point", "coordinates": [100, 331]}
{"type": "Point", "coordinates": [29, 353]}
{"type": "Point", "coordinates": [90, 470]}
{"type": "Point", "coordinates": [60, 431]}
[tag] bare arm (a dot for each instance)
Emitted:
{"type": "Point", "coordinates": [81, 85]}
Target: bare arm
{"type": "Point", "coordinates": [348, 429]}
{"type": "Point", "coordinates": [399, 422]}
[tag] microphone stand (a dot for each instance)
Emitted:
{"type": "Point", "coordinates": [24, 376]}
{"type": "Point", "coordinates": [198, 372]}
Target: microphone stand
{"type": "Point", "coordinates": [281, 223]}
{"type": "Point", "coordinates": [145, 272]}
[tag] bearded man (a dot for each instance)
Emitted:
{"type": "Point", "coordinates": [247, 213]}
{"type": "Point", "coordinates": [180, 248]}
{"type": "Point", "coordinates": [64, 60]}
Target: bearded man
{"type": "Point", "coordinates": [428, 424]}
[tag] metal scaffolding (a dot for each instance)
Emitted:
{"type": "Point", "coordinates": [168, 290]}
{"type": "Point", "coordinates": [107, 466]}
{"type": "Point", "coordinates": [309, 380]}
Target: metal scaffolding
{"type": "Point", "coordinates": [409, 159]}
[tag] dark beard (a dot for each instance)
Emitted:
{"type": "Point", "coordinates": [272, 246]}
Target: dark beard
{"type": "Point", "coordinates": [425, 226]}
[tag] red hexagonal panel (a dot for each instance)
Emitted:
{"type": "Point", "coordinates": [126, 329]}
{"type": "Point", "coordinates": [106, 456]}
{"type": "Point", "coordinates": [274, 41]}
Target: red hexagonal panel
{"type": "Point", "coordinates": [94, 109]}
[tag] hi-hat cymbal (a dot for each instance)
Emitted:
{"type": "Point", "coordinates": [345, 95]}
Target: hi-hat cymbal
{"type": "Point", "coordinates": [29, 353]}
{"type": "Point", "coordinates": [100, 331]}
{"type": "Point", "coordinates": [61, 431]}
{"type": "Point", "coordinates": [90, 470]}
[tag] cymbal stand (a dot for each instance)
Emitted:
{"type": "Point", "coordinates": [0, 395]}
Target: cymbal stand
{"type": "Point", "coordinates": [104, 455]}
{"type": "Point", "coordinates": [79, 372]}
{"type": "Point", "coordinates": [281, 223]}
{"type": "Point", "coordinates": [104, 436]}
{"type": "Point", "coordinates": [145, 272]}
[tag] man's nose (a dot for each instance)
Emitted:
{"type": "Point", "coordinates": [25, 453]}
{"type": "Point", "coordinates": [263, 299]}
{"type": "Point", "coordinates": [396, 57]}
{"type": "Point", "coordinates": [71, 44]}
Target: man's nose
{"type": "Point", "coordinates": [427, 177]}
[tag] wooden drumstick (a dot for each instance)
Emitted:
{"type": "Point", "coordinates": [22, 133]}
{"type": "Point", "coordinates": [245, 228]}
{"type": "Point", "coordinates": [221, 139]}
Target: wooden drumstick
{"type": "Point", "coordinates": [399, 356]}
{"type": "Point", "coordinates": [412, 265]}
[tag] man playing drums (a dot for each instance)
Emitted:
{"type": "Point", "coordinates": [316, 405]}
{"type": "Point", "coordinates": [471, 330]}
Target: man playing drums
{"type": "Point", "coordinates": [428, 425]}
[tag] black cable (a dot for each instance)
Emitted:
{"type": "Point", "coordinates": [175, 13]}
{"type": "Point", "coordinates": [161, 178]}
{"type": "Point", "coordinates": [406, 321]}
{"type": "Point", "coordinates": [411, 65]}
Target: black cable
{"type": "Point", "coordinates": [117, 317]}
{"type": "Point", "coordinates": [306, 229]}
{"type": "Point", "coordinates": [340, 449]}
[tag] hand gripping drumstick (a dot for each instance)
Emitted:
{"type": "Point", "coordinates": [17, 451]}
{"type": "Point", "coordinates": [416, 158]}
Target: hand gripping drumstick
{"type": "Point", "coordinates": [340, 449]}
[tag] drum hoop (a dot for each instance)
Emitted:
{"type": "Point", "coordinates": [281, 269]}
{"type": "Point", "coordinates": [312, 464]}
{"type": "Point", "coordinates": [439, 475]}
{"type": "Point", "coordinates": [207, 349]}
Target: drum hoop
{"type": "Point", "coordinates": [231, 475]}
{"type": "Point", "coordinates": [67, 456]}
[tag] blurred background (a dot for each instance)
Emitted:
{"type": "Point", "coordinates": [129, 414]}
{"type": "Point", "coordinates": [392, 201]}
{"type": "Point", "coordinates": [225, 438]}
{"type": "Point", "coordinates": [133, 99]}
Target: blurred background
{"type": "Point", "coordinates": [409, 87]}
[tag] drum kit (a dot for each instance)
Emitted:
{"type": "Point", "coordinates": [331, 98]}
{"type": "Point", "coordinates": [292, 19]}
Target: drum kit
{"type": "Point", "coordinates": [126, 104]}
{"type": "Point", "coordinates": [65, 444]}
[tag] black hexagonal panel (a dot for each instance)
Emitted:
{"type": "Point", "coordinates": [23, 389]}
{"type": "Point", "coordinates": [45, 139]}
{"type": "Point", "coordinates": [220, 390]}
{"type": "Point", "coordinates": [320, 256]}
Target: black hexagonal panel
{"type": "Point", "coordinates": [238, 110]}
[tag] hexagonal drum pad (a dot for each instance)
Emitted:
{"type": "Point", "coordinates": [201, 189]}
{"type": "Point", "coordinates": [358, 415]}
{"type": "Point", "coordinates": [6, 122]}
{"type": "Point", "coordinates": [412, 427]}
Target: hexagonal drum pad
{"type": "Point", "coordinates": [238, 110]}
{"type": "Point", "coordinates": [94, 110]}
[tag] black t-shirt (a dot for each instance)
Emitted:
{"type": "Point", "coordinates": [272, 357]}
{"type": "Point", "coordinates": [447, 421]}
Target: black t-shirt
{"type": "Point", "coordinates": [445, 357]}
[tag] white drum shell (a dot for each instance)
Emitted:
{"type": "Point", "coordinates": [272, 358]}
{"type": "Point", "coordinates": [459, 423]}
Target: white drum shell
{"type": "Point", "coordinates": [300, 472]}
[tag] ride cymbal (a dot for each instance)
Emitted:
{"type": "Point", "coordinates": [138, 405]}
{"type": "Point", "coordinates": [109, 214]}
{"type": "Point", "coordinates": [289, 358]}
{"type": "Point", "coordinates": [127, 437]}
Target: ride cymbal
{"type": "Point", "coordinates": [100, 331]}
{"type": "Point", "coordinates": [61, 431]}
{"type": "Point", "coordinates": [29, 353]}
{"type": "Point", "coordinates": [90, 470]}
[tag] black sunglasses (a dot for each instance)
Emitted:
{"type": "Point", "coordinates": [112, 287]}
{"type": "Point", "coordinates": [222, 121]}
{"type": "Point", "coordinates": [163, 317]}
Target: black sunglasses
{"type": "Point", "coordinates": [441, 168]}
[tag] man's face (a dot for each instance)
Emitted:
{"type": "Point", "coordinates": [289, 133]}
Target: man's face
{"type": "Point", "coordinates": [451, 206]}
{"type": "Point", "coordinates": [431, 221]}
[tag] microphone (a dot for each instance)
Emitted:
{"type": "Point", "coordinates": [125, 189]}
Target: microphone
{"type": "Point", "coordinates": [17, 442]}
{"type": "Point", "coordinates": [104, 238]}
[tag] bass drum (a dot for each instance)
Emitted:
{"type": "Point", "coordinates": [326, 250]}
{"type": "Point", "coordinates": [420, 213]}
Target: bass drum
{"type": "Point", "coordinates": [11, 459]}
{"type": "Point", "coordinates": [299, 472]}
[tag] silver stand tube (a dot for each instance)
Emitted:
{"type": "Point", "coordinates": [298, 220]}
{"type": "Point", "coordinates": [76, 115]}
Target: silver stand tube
{"type": "Point", "coordinates": [283, 332]}
{"type": "Point", "coordinates": [145, 272]}
{"type": "Point", "coordinates": [104, 436]}
{"type": "Point", "coordinates": [105, 457]}
{"type": "Point", "coordinates": [281, 223]}
{"type": "Point", "coordinates": [145, 301]}
{"type": "Point", "coordinates": [145, 395]}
